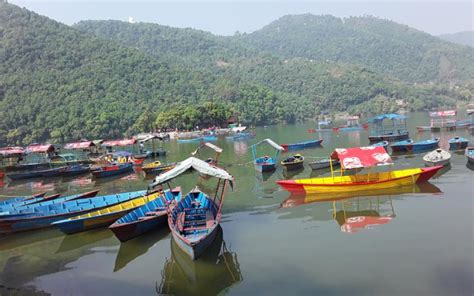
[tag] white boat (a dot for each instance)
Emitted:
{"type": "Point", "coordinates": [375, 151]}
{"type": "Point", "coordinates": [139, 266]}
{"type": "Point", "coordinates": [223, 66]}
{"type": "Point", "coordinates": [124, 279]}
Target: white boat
{"type": "Point", "coordinates": [437, 157]}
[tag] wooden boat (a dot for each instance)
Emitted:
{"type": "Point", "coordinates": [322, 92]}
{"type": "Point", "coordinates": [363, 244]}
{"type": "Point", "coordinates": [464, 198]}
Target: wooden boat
{"type": "Point", "coordinates": [292, 163]}
{"type": "Point", "coordinates": [458, 143]}
{"type": "Point", "coordinates": [193, 220]}
{"type": "Point", "coordinates": [357, 158]}
{"type": "Point", "coordinates": [156, 167]}
{"type": "Point", "coordinates": [42, 217]}
{"type": "Point", "coordinates": [105, 216]}
{"type": "Point", "coordinates": [352, 125]}
{"type": "Point", "coordinates": [29, 206]}
{"type": "Point", "coordinates": [118, 157]}
{"type": "Point", "coordinates": [266, 163]}
{"type": "Point", "coordinates": [411, 146]}
{"type": "Point", "coordinates": [470, 155]}
{"type": "Point", "coordinates": [17, 199]}
{"type": "Point", "coordinates": [302, 145]}
{"type": "Point", "coordinates": [112, 170]}
{"type": "Point", "coordinates": [323, 164]}
{"type": "Point", "coordinates": [437, 157]}
{"type": "Point", "coordinates": [145, 218]}
{"type": "Point", "coordinates": [74, 170]}
{"type": "Point", "coordinates": [395, 130]}
{"type": "Point", "coordinates": [324, 125]}
{"type": "Point", "coordinates": [51, 172]}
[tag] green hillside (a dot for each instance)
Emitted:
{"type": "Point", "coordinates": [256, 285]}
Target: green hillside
{"type": "Point", "coordinates": [382, 45]}
{"type": "Point", "coordinates": [108, 79]}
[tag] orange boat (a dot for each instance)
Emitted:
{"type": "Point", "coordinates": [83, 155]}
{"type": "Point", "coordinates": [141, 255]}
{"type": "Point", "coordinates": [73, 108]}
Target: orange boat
{"type": "Point", "coordinates": [359, 158]}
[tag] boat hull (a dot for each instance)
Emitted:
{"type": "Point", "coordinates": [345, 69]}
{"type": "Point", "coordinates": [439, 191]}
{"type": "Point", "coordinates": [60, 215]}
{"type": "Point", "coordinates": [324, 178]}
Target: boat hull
{"type": "Point", "coordinates": [125, 232]}
{"type": "Point", "coordinates": [195, 250]}
{"type": "Point", "coordinates": [110, 173]}
{"type": "Point", "coordinates": [75, 226]}
{"type": "Point", "coordinates": [269, 167]}
{"type": "Point", "coordinates": [360, 182]}
{"type": "Point", "coordinates": [302, 145]}
{"type": "Point", "coordinates": [389, 137]}
{"type": "Point", "coordinates": [458, 145]}
{"type": "Point", "coordinates": [322, 165]}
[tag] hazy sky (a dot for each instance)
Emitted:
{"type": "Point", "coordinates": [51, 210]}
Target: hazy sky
{"type": "Point", "coordinates": [226, 17]}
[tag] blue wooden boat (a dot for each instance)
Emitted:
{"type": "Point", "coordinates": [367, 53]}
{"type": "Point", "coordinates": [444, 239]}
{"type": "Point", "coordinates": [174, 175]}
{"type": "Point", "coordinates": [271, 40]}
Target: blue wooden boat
{"type": "Point", "coordinates": [193, 220]}
{"type": "Point", "coordinates": [190, 140]}
{"type": "Point", "coordinates": [266, 163]}
{"type": "Point", "coordinates": [302, 145]}
{"type": "Point", "coordinates": [105, 216]}
{"type": "Point", "coordinates": [113, 170]}
{"type": "Point", "coordinates": [210, 138]}
{"type": "Point", "coordinates": [52, 172]}
{"type": "Point", "coordinates": [411, 146]}
{"type": "Point", "coordinates": [394, 130]}
{"type": "Point", "coordinates": [14, 209]}
{"type": "Point", "coordinates": [17, 199]}
{"type": "Point", "coordinates": [42, 217]}
{"type": "Point", "coordinates": [458, 143]}
{"type": "Point", "coordinates": [145, 218]}
{"type": "Point", "coordinates": [74, 170]}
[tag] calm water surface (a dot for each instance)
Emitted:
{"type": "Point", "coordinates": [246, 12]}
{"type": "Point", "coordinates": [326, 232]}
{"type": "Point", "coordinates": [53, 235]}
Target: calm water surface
{"type": "Point", "coordinates": [420, 241]}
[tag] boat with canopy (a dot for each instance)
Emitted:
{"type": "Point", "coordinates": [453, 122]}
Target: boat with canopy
{"type": "Point", "coordinates": [194, 220]}
{"type": "Point", "coordinates": [266, 163]}
{"type": "Point", "coordinates": [352, 125]}
{"type": "Point", "coordinates": [211, 160]}
{"type": "Point", "coordinates": [360, 158]}
{"type": "Point", "coordinates": [380, 130]}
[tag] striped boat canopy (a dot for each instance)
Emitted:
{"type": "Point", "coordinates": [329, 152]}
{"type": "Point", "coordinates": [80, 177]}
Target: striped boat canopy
{"type": "Point", "coordinates": [271, 143]}
{"type": "Point", "coordinates": [207, 144]}
{"type": "Point", "coordinates": [192, 163]}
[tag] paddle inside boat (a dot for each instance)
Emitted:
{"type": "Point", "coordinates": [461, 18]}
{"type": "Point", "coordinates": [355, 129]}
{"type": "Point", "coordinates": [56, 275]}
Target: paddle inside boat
{"type": "Point", "coordinates": [266, 163]}
{"type": "Point", "coordinates": [193, 220]}
{"type": "Point", "coordinates": [360, 158]}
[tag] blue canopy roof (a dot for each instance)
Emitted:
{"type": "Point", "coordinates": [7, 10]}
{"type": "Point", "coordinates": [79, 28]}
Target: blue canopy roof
{"type": "Point", "coordinates": [391, 116]}
{"type": "Point", "coordinates": [121, 153]}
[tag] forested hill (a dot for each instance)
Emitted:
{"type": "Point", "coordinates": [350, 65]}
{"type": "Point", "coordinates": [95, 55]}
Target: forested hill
{"type": "Point", "coordinates": [111, 79]}
{"type": "Point", "coordinates": [384, 46]}
{"type": "Point", "coordinates": [463, 38]}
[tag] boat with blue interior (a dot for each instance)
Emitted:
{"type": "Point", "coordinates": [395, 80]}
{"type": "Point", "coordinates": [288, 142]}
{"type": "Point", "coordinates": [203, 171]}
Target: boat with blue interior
{"type": "Point", "coordinates": [194, 220]}
{"type": "Point", "coordinates": [302, 145]}
{"type": "Point", "coordinates": [266, 163]}
{"type": "Point", "coordinates": [458, 143]}
{"type": "Point", "coordinates": [395, 130]}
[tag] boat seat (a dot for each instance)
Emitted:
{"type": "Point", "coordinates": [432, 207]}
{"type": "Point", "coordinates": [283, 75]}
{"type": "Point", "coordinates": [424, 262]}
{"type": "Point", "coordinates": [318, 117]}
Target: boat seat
{"type": "Point", "coordinates": [180, 221]}
{"type": "Point", "coordinates": [194, 228]}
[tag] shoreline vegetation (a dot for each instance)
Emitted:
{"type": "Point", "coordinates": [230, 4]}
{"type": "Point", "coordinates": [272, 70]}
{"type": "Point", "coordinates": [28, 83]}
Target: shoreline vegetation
{"type": "Point", "coordinates": [112, 79]}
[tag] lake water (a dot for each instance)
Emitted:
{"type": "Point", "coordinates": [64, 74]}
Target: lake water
{"type": "Point", "coordinates": [420, 241]}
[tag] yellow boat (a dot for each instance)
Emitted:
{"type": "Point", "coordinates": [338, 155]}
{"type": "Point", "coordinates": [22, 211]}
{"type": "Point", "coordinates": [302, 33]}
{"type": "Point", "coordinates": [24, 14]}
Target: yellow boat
{"type": "Point", "coordinates": [357, 158]}
{"type": "Point", "coordinates": [103, 217]}
{"type": "Point", "coordinates": [157, 167]}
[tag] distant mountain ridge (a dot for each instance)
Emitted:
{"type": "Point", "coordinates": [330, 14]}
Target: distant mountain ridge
{"type": "Point", "coordinates": [462, 38]}
{"type": "Point", "coordinates": [383, 45]}
{"type": "Point", "coordinates": [109, 79]}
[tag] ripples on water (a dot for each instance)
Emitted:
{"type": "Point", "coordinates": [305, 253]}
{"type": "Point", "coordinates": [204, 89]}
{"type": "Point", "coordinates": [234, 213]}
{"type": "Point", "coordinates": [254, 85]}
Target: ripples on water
{"type": "Point", "coordinates": [406, 241]}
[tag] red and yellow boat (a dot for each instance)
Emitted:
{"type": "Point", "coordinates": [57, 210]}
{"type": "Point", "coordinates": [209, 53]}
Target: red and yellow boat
{"type": "Point", "coordinates": [359, 158]}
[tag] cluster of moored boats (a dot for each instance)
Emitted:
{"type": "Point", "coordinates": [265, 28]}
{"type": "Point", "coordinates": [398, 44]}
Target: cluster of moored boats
{"type": "Point", "coordinates": [194, 217]}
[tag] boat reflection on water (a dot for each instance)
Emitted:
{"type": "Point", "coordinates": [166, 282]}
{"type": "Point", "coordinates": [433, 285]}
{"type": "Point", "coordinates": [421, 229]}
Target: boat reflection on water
{"type": "Point", "coordinates": [216, 270]}
{"type": "Point", "coordinates": [134, 248]}
{"type": "Point", "coordinates": [296, 199]}
{"type": "Point", "coordinates": [442, 171]}
{"type": "Point", "coordinates": [83, 239]}
{"type": "Point", "coordinates": [355, 220]}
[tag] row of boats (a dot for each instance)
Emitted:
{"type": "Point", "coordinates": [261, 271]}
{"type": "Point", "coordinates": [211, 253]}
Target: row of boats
{"type": "Point", "coordinates": [192, 218]}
